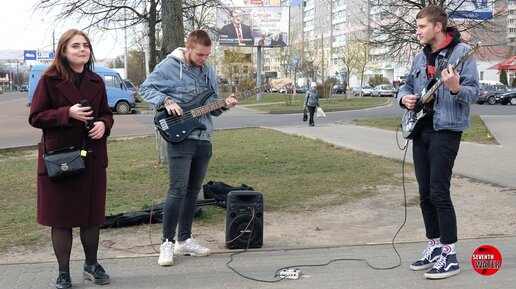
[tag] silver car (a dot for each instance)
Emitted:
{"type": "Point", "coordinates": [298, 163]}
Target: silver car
{"type": "Point", "coordinates": [365, 90]}
{"type": "Point", "coordinates": [384, 90]}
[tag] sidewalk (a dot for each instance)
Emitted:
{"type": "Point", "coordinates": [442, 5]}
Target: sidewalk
{"type": "Point", "coordinates": [211, 272]}
{"type": "Point", "coordinates": [494, 164]}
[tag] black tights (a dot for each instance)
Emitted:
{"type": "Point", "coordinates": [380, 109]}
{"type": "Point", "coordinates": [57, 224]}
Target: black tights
{"type": "Point", "coordinates": [62, 243]}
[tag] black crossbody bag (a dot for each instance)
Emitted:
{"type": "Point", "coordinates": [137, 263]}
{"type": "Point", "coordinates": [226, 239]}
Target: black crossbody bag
{"type": "Point", "coordinates": [63, 163]}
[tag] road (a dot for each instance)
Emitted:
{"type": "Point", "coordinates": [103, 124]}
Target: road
{"type": "Point", "coordinates": [16, 131]}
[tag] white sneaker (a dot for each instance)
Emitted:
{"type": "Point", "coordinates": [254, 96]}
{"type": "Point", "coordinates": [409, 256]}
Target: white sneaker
{"type": "Point", "coordinates": [166, 254]}
{"type": "Point", "coordinates": [191, 248]}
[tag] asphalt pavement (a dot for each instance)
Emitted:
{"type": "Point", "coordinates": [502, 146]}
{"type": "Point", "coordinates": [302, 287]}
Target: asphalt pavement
{"type": "Point", "coordinates": [490, 163]}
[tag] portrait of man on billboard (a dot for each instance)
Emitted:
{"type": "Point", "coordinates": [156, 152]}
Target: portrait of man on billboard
{"type": "Point", "coordinates": [236, 33]}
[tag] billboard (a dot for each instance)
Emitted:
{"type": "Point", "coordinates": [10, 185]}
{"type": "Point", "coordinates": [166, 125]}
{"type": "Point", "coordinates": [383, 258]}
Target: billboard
{"type": "Point", "coordinates": [253, 26]}
{"type": "Point", "coordinates": [471, 9]}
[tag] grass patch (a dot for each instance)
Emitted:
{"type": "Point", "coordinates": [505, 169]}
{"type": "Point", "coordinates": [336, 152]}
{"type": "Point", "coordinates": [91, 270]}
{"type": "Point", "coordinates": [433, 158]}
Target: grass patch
{"type": "Point", "coordinates": [294, 173]}
{"type": "Point", "coordinates": [478, 131]}
{"type": "Point", "coordinates": [340, 104]}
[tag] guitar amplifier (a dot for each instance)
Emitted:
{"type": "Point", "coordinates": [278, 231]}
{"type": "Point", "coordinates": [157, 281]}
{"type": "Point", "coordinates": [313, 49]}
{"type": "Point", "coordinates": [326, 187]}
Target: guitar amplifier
{"type": "Point", "coordinates": [244, 220]}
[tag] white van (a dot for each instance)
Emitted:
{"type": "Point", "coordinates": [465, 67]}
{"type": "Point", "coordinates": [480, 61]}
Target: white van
{"type": "Point", "coordinates": [120, 98]}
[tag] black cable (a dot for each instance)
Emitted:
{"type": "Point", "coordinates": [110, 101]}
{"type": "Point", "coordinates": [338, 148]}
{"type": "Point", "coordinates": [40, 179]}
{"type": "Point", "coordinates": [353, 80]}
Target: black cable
{"type": "Point", "coordinates": [245, 250]}
{"type": "Point", "coordinates": [404, 148]}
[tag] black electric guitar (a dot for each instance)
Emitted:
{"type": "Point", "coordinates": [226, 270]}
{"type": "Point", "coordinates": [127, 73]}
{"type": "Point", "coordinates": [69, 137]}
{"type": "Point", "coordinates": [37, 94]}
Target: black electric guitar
{"type": "Point", "coordinates": [410, 121]}
{"type": "Point", "coordinates": [175, 129]}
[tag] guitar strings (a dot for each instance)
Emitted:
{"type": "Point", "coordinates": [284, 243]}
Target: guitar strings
{"type": "Point", "coordinates": [177, 119]}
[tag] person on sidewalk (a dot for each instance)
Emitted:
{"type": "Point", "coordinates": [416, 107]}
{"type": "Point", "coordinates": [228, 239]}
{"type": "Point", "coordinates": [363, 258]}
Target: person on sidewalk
{"type": "Point", "coordinates": [179, 79]}
{"type": "Point", "coordinates": [311, 102]}
{"type": "Point", "coordinates": [78, 201]}
{"type": "Point", "coordinates": [436, 145]}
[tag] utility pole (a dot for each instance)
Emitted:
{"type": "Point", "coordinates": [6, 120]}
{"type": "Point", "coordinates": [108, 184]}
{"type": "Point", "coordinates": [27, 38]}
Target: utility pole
{"type": "Point", "coordinates": [322, 58]}
{"type": "Point", "coordinates": [125, 45]}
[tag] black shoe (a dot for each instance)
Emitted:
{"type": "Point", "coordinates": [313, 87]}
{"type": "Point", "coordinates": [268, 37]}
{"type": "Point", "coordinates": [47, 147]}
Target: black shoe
{"type": "Point", "coordinates": [312, 124]}
{"type": "Point", "coordinates": [63, 281]}
{"type": "Point", "coordinates": [96, 274]}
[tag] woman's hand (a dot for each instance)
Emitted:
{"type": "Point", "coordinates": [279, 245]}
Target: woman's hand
{"type": "Point", "coordinates": [82, 113]}
{"type": "Point", "coordinates": [98, 130]}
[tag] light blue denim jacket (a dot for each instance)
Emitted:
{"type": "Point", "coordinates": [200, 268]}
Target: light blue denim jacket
{"type": "Point", "coordinates": [452, 112]}
{"type": "Point", "coordinates": [175, 78]}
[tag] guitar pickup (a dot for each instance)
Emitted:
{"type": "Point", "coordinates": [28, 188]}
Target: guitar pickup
{"type": "Point", "coordinates": [163, 124]}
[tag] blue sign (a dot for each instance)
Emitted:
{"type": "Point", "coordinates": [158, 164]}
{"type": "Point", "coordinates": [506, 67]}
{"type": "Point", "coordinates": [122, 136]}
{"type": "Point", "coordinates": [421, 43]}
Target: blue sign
{"type": "Point", "coordinates": [44, 55]}
{"type": "Point", "coordinates": [29, 55]}
{"type": "Point", "coordinates": [471, 9]}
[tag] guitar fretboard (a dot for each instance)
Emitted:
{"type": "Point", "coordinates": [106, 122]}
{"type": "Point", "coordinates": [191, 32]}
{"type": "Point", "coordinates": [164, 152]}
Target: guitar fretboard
{"type": "Point", "coordinates": [429, 94]}
{"type": "Point", "coordinates": [196, 112]}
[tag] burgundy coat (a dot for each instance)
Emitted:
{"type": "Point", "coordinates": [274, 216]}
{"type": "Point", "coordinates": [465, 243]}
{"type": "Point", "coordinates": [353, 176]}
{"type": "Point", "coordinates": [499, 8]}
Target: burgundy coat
{"type": "Point", "coordinates": [78, 201]}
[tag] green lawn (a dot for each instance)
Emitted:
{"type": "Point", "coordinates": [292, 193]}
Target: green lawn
{"type": "Point", "coordinates": [294, 173]}
{"type": "Point", "coordinates": [478, 131]}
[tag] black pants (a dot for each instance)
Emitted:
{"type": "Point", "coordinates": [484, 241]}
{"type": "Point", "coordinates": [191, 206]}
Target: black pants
{"type": "Point", "coordinates": [311, 111]}
{"type": "Point", "coordinates": [434, 156]}
{"type": "Point", "coordinates": [188, 163]}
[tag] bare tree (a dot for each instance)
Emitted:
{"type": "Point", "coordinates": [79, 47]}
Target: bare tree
{"type": "Point", "coordinates": [153, 16]}
{"type": "Point", "coordinates": [392, 24]}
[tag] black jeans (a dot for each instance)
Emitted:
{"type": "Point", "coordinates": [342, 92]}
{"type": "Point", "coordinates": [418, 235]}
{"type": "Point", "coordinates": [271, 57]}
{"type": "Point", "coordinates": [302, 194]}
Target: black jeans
{"type": "Point", "coordinates": [434, 156]}
{"type": "Point", "coordinates": [311, 111]}
{"type": "Point", "coordinates": [188, 163]}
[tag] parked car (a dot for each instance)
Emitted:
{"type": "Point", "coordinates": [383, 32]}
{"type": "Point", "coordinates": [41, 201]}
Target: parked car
{"type": "Point", "coordinates": [384, 90]}
{"type": "Point", "coordinates": [506, 98]}
{"type": "Point", "coordinates": [129, 85]}
{"type": "Point", "coordinates": [339, 88]}
{"type": "Point", "coordinates": [365, 90]}
{"type": "Point", "coordinates": [489, 90]}
{"type": "Point", "coordinates": [302, 89]}
{"type": "Point", "coordinates": [24, 87]}
{"type": "Point", "coordinates": [120, 99]}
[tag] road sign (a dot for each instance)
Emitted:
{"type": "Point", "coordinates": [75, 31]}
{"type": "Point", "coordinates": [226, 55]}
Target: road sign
{"type": "Point", "coordinates": [44, 55]}
{"type": "Point", "coordinates": [29, 55]}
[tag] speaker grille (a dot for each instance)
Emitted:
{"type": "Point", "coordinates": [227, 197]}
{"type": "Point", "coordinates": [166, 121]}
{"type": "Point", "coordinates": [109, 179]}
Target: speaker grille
{"type": "Point", "coordinates": [242, 230]}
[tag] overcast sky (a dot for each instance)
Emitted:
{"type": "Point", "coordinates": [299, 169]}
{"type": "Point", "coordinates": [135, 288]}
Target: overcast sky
{"type": "Point", "coordinates": [23, 29]}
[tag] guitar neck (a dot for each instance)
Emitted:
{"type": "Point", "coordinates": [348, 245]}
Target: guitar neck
{"type": "Point", "coordinates": [429, 93]}
{"type": "Point", "coordinates": [464, 57]}
{"type": "Point", "coordinates": [202, 110]}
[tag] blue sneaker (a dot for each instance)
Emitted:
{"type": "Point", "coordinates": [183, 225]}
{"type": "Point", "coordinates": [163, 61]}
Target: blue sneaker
{"type": "Point", "coordinates": [447, 266]}
{"type": "Point", "coordinates": [429, 257]}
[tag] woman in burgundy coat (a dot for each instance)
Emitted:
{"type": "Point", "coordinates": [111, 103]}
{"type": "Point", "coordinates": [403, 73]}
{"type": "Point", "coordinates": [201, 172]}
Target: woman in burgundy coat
{"type": "Point", "coordinates": [77, 201]}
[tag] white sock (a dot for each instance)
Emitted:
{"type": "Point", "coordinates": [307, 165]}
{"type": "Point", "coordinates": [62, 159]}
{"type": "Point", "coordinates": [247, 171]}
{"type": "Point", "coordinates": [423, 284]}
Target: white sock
{"type": "Point", "coordinates": [434, 243]}
{"type": "Point", "coordinates": [448, 249]}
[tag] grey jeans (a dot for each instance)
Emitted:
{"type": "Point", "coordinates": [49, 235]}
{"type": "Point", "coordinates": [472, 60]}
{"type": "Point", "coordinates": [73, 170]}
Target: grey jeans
{"type": "Point", "coordinates": [188, 163]}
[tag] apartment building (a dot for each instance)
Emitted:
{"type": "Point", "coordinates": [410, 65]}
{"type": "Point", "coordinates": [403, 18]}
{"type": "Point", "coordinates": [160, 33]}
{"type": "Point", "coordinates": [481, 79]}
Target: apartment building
{"type": "Point", "coordinates": [320, 29]}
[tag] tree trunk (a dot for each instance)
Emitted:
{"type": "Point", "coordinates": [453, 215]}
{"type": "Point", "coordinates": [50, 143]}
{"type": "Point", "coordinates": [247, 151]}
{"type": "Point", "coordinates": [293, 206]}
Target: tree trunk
{"type": "Point", "coordinates": [173, 28]}
{"type": "Point", "coordinates": [152, 35]}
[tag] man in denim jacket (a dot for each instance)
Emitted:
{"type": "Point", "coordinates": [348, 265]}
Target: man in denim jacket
{"type": "Point", "coordinates": [177, 80]}
{"type": "Point", "coordinates": [436, 144]}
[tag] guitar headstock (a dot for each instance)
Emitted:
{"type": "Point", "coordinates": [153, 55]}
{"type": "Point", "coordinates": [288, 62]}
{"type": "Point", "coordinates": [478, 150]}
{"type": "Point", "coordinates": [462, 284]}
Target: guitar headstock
{"type": "Point", "coordinates": [467, 55]}
{"type": "Point", "coordinates": [279, 83]}
{"type": "Point", "coordinates": [474, 50]}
